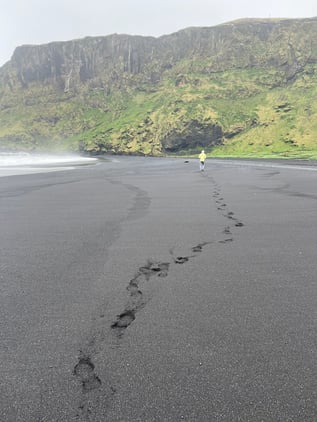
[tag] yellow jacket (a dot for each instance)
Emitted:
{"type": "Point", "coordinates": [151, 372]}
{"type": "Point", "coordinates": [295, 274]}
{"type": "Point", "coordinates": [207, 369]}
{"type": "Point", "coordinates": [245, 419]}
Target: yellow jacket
{"type": "Point", "coordinates": [202, 156]}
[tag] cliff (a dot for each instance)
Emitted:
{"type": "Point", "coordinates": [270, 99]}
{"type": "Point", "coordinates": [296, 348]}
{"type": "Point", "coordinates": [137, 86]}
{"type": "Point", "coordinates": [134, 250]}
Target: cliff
{"type": "Point", "coordinates": [136, 94]}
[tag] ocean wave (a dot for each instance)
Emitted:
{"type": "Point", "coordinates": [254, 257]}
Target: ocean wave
{"type": "Point", "coordinates": [9, 159]}
{"type": "Point", "coordinates": [20, 163]}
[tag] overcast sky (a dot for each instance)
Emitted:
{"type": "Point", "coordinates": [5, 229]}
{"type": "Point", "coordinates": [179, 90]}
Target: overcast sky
{"type": "Point", "coordinates": [43, 21]}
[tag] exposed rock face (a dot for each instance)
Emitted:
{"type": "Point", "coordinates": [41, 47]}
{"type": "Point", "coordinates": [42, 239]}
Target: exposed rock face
{"type": "Point", "coordinates": [194, 135]}
{"type": "Point", "coordinates": [123, 63]}
{"type": "Point", "coordinates": [72, 63]}
{"type": "Point", "coordinates": [247, 43]}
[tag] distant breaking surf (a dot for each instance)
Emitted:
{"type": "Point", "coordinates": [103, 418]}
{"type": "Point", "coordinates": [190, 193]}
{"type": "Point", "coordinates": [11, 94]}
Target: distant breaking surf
{"type": "Point", "coordinates": [18, 163]}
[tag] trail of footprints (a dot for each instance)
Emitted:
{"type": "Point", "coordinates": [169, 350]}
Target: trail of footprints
{"type": "Point", "coordinates": [136, 301]}
{"type": "Point", "coordinates": [84, 370]}
{"type": "Point", "coordinates": [160, 269]}
{"type": "Point", "coordinates": [223, 208]}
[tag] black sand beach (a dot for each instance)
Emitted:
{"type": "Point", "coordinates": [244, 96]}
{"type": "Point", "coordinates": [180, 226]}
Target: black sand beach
{"type": "Point", "coordinates": [144, 290]}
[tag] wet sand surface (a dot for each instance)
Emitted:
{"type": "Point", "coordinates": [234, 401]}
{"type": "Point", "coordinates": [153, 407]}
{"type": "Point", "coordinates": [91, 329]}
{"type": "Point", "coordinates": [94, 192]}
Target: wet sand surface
{"type": "Point", "coordinates": [144, 290]}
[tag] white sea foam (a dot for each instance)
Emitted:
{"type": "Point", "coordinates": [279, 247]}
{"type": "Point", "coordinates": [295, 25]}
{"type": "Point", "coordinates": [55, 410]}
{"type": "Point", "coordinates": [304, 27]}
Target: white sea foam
{"type": "Point", "coordinates": [16, 163]}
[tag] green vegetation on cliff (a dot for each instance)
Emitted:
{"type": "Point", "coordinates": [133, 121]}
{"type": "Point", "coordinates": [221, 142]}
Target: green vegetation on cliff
{"type": "Point", "coordinates": [242, 89]}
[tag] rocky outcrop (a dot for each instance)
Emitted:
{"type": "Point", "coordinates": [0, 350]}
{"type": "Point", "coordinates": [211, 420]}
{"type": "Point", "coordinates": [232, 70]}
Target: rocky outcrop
{"type": "Point", "coordinates": [62, 90]}
{"type": "Point", "coordinates": [69, 64]}
{"type": "Point", "coordinates": [194, 134]}
{"type": "Point", "coordinates": [287, 44]}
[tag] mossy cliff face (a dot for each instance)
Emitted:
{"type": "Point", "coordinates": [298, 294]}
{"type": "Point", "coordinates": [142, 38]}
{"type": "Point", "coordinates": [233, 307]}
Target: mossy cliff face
{"type": "Point", "coordinates": [217, 87]}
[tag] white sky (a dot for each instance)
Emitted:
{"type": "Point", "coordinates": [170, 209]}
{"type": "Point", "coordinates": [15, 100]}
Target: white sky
{"type": "Point", "coordinates": [43, 21]}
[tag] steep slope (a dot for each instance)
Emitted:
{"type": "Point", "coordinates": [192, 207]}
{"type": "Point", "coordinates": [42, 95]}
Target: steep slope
{"type": "Point", "coordinates": [245, 87]}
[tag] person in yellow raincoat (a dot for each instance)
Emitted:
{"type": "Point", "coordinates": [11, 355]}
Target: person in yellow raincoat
{"type": "Point", "coordinates": [202, 159]}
